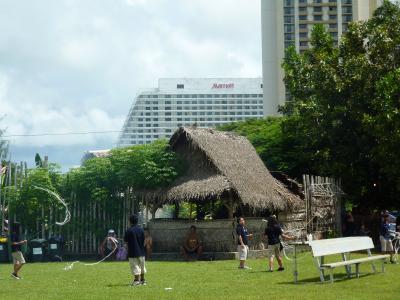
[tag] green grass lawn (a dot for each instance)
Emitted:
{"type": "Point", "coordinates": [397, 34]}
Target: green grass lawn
{"type": "Point", "coordinates": [194, 280]}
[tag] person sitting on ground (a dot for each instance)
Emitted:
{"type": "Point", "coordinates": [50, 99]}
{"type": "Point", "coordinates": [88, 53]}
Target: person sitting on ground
{"type": "Point", "coordinates": [191, 244]}
{"type": "Point", "coordinates": [148, 244]}
{"type": "Point", "coordinates": [108, 244]}
{"type": "Point", "coordinates": [386, 236]}
{"type": "Point", "coordinates": [273, 232]}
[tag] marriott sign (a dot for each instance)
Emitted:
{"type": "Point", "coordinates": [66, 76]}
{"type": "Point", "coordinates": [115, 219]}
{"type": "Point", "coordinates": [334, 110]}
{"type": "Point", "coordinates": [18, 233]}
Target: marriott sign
{"type": "Point", "coordinates": [223, 86]}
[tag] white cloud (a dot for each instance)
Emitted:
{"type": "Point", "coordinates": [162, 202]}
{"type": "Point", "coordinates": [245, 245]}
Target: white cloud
{"type": "Point", "coordinates": [72, 65]}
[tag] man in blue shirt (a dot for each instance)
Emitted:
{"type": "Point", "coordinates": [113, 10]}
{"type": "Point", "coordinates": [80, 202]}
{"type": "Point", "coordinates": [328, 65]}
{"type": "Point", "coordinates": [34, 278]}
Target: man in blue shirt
{"type": "Point", "coordinates": [134, 238]}
{"type": "Point", "coordinates": [243, 248]}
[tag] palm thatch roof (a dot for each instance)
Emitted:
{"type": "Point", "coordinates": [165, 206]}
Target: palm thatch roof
{"type": "Point", "coordinates": [224, 164]}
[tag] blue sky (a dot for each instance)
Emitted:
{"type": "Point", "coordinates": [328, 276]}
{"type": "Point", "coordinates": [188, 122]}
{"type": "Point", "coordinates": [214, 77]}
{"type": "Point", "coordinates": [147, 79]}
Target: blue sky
{"type": "Point", "coordinates": [74, 66]}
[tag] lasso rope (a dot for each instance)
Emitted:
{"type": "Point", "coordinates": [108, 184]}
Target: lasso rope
{"type": "Point", "coordinates": [115, 242]}
{"type": "Point", "coordinates": [62, 201]}
{"type": "Point", "coordinates": [286, 245]}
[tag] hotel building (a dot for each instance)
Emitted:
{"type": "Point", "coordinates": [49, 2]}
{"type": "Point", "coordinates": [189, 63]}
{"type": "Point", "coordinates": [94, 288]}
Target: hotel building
{"type": "Point", "coordinates": [289, 22]}
{"type": "Point", "coordinates": [207, 102]}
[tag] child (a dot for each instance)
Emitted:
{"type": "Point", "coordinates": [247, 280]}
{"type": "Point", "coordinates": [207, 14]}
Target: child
{"type": "Point", "coordinates": [16, 242]}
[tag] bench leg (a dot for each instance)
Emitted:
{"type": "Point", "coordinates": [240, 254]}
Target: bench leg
{"type": "Point", "coordinates": [348, 269]}
{"type": "Point", "coordinates": [331, 275]}
{"type": "Point", "coordinates": [322, 262]}
{"type": "Point", "coordinates": [321, 274]}
{"type": "Point", "coordinates": [358, 270]}
{"type": "Point", "coordinates": [372, 263]}
{"type": "Point", "coordinates": [383, 266]}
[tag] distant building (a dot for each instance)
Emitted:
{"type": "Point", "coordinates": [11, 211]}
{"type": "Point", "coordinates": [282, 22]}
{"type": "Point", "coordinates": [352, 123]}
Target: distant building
{"type": "Point", "coordinates": [94, 153]}
{"type": "Point", "coordinates": [289, 22]}
{"type": "Point", "coordinates": [207, 102]}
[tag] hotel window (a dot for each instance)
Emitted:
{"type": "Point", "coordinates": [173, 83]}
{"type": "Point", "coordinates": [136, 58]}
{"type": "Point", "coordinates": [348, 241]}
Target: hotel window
{"type": "Point", "coordinates": [289, 19]}
{"type": "Point", "coordinates": [290, 36]}
{"type": "Point", "coordinates": [347, 10]}
{"type": "Point", "coordinates": [317, 9]}
{"type": "Point", "coordinates": [288, 28]}
{"type": "Point", "coordinates": [303, 44]}
{"type": "Point", "coordinates": [347, 18]}
{"type": "Point", "coordinates": [303, 17]}
{"type": "Point", "coordinates": [180, 86]}
{"type": "Point", "coordinates": [319, 18]}
{"type": "Point", "coordinates": [303, 35]}
{"type": "Point", "coordinates": [289, 10]}
{"type": "Point", "coordinates": [332, 17]}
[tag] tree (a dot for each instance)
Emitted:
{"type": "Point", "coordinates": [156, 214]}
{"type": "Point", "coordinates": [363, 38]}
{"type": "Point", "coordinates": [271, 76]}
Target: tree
{"type": "Point", "coordinates": [345, 105]}
{"type": "Point", "coordinates": [3, 145]}
{"type": "Point", "coordinates": [38, 161]}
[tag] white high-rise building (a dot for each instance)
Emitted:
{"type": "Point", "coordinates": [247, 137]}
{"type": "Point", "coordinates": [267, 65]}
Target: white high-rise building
{"type": "Point", "coordinates": [289, 22]}
{"type": "Point", "coordinates": [207, 102]}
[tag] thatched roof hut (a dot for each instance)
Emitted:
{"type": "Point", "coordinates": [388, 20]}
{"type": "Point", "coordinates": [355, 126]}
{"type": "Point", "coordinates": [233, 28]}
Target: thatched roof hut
{"type": "Point", "coordinates": [224, 165]}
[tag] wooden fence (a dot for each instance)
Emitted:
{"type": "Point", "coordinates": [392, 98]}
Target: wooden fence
{"type": "Point", "coordinates": [323, 205]}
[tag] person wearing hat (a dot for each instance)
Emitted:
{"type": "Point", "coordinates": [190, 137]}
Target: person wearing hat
{"type": "Point", "coordinates": [108, 244]}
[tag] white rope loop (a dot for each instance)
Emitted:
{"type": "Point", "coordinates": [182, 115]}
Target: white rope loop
{"type": "Point", "coordinates": [112, 239]}
{"type": "Point", "coordinates": [61, 200]}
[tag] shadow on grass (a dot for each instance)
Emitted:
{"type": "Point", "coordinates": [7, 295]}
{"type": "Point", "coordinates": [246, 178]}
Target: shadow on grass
{"type": "Point", "coordinates": [119, 285]}
{"type": "Point", "coordinates": [338, 278]}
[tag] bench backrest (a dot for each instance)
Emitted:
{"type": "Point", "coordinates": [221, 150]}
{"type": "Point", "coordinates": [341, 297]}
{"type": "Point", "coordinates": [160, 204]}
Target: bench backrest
{"type": "Point", "coordinates": [340, 245]}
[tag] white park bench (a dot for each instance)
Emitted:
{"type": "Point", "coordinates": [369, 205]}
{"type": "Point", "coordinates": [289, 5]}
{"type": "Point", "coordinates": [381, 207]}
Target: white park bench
{"type": "Point", "coordinates": [344, 246]}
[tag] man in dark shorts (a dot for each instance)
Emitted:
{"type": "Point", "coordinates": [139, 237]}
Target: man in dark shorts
{"type": "Point", "coordinates": [243, 238]}
{"type": "Point", "coordinates": [16, 243]}
{"type": "Point", "coordinates": [192, 244]}
{"type": "Point", "coordinates": [273, 232]}
{"type": "Point", "coordinates": [134, 238]}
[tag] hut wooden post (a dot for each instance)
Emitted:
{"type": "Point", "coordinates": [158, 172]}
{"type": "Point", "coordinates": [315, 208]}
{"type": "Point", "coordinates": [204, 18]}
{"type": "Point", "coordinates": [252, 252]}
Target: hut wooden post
{"type": "Point", "coordinates": [230, 205]}
{"type": "Point", "coordinates": [190, 210]}
{"type": "Point", "coordinates": [176, 213]}
{"type": "Point", "coordinates": [147, 212]}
